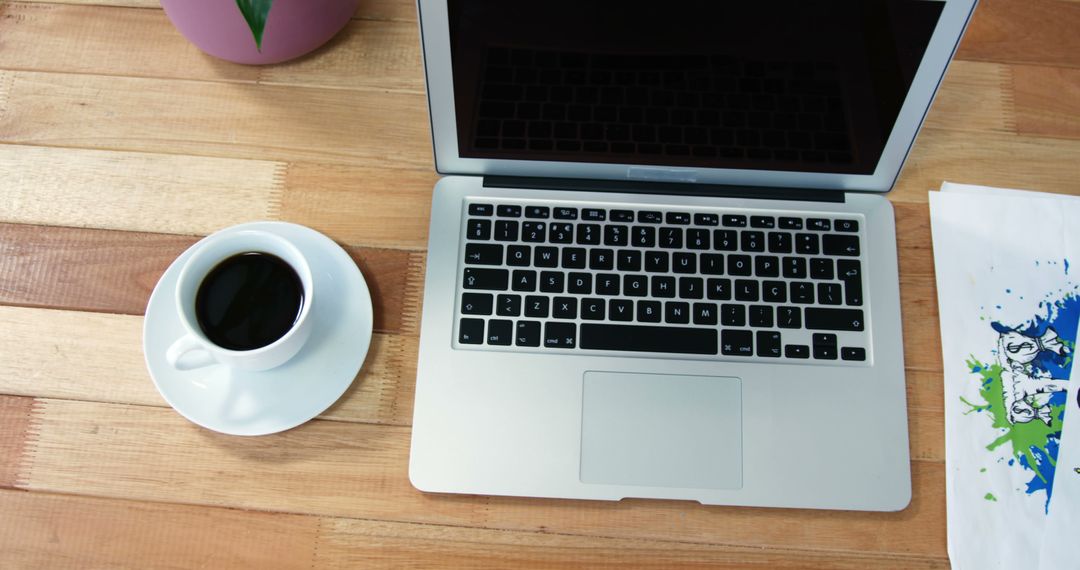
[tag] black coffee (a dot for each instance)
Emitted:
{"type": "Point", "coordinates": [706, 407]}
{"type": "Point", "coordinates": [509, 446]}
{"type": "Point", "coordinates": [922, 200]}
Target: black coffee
{"type": "Point", "coordinates": [249, 301]}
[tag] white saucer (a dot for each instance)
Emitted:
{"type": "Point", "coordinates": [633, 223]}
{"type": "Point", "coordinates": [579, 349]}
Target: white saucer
{"type": "Point", "coordinates": [257, 403]}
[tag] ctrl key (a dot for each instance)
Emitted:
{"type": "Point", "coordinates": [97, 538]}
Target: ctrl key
{"type": "Point", "coordinates": [560, 335]}
{"type": "Point", "coordinates": [471, 331]}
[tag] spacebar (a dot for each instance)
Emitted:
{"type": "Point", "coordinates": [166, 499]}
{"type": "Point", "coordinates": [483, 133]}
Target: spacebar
{"type": "Point", "coordinates": [648, 339]}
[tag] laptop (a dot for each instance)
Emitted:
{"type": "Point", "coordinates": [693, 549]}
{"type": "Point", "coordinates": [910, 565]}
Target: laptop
{"type": "Point", "coordinates": [661, 263]}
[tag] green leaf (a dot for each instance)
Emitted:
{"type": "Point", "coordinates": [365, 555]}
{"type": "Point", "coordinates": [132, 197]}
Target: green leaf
{"type": "Point", "coordinates": [255, 12]}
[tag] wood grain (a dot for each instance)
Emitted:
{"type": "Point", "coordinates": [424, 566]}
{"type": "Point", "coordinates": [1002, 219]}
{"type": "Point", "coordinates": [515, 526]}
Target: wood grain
{"type": "Point", "coordinates": [76, 532]}
{"type": "Point", "coordinates": [975, 96]}
{"type": "Point", "coordinates": [115, 272]}
{"type": "Point", "coordinates": [1047, 101]}
{"type": "Point", "coordinates": [98, 357]}
{"type": "Point", "coordinates": [1031, 31]}
{"type": "Point", "coordinates": [16, 416]}
{"type": "Point", "coordinates": [231, 120]}
{"type": "Point", "coordinates": [359, 471]}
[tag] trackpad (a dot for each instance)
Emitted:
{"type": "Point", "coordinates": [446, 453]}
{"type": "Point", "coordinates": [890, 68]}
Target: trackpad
{"type": "Point", "coordinates": [662, 430]}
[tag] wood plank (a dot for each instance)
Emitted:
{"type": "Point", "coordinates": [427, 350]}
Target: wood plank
{"type": "Point", "coordinates": [42, 530]}
{"type": "Point", "coordinates": [231, 120]}
{"type": "Point", "coordinates": [359, 471]}
{"type": "Point", "coordinates": [366, 54]}
{"type": "Point", "coordinates": [135, 191]}
{"type": "Point", "coordinates": [115, 272]}
{"type": "Point", "coordinates": [1048, 101]}
{"type": "Point", "coordinates": [16, 419]}
{"type": "Point", "coordinates": [1040, 32]}
{"type": "Point", "coordinates": [975, 96]}
{"type": "Point", "coordinates": [98, 357]}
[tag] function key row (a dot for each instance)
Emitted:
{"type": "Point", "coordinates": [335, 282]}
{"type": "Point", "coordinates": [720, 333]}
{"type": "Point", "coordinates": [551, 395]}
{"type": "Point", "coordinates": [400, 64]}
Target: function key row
{"type": "Point", "coordinates": [656, 217]}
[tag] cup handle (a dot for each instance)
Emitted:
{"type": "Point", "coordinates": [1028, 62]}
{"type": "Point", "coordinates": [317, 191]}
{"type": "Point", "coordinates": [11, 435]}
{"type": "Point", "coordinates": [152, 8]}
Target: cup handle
{"type": "Point", "coordinates": [185, 345]}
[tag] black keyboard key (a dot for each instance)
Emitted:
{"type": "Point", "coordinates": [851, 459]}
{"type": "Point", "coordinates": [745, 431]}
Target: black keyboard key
{"type": "Point", "coordinates": [499, 332]}
{"type": "Point", "coordinates": [561, 233]}
{"type": "Point", "coordinates": [629, 260]}
{"type": "Point", "coordinates": [789, 317]}
{"type": "Point", "coordinates": [579, 283]}
{"type": "Point", "coordinates": [649, 311]}
{"type": "Point", "coordinates": [697, 238]}
{"type": "Point", "coordinates": [637, 338]}
{"type": "Point", "coordinates": [691, 287]}
{"type": "Point", "coordinates": [824, 346]}
{"type": "Point", "coordinates": [705, 314]}
{"type": "Point", "coordinates": [712, 263]}
{"type": "Point", "coordinates": [663, 286]}
{"type": "Point", "coordinates": [592, 309]}
{"type": "Point", "coordinates": [671, 238]}
{"type": "Point", "coordinates": [546, 257]}
{"type": "Point", "coordinates": [478, 229]}
{"type": "Point", "coordinates": [588, 234]}
{"type": "Point", "coordinates": [615, 235]}
{"type": "Point", "coordinates": [739, 265]}
{"type": "Point", "coordinates": [537, 212]}
{"type": "Point", "coordinates": [678, 218]}
{"type": "Point", "coordinates": [821, 268]}
{"type": "Point", "coordinates": [795, 267]}
{"type": "Point", "coordinates": [791, 223]}
{"type": "Point", "coordinates": [643, 236]}
{"type": "Point", "coordinates": [849, 270]}
{"type": "Point", "coordinates": [593, 214]}
{"type": "Point", "coordinates": [797, 351]}
{"type": "Point", "coordinates": [574, 258]}
{"type": "Point", "coordinates": [737, 343]}
{"type": "Point", "coordinates": [732, 315]}
{"type": "Point", "coordinates": [807, 244]}
{"type": "Point", "coordinates": [774, 291]}
{"type": "Point", "coordinates": [552, 282]}
{"type": "Point", "coordinates": [718, 289]}
{"type": "Point", "coordinates": [853, 293]}
{"type": "Point", "coordinates": [802, 292]}
{"type": "Point", "coordinates": [516, 255]}
{"type": "Point", "coordinates": [560, 335]}
{"type": "Point", "coordinates": [734, 221]}
{"type": "Point", "coordinates": [534, 232]}
{"type": "Point", "coordinates": [528, 333]}
{"type": "Point", "coordinates": [677, 312]}
{"type": "Point", "coordinates": [621, 310]}
{"type": "Point", "coordinates": [766, 266]}
{"type": "Point", "coordinates": [829, 294]}
{"type": "Point", "coordinates": [536, 306]}
{"type": "Point", "coordinates": [725, 240]}
{"type": "Point", "coordinates": [846, 225]}
{"type": "Point", "coordinates": [562, 213]}
{"type": "Point", "coordinates": [471, 331]}
{"type": "Point", "coordinates": [607, 284]}
{"type": "Point", "coordinates": [746, 290]}
{"type": "Point", "coordinates": [601, 259]}
{"type": "Point", "coordinates": [476, 303]}
{"type": "Point", "coordinates": [506, 230]}
{"type": "Point", "coordinates": [509, 211]}
{"type": "Point", "coordinates": [682, 262]}
{"type": "Point", "coordinates": [768, 344]}
{"type": "Point", "coordinates": [650, 217]}
{"type": "Point", "coordinates": [780, 242]}
{"type": "Point", "coordinates": [818, 224]}
{"type": "Point", "coordinates": [768, 222]}
{"type": "Point", "coordinates": [635, 286]}
{"type": "Point", "coordinates": [656, 261]}
{"type": "Point", "coordinates": [761, 316]}
{"type": "Point", "coordinates": [823, 319]}
{"type": "Point", "coordinates": [480, 209]}
{"type": "Point", "coordinates": [486, 279]}
{"type": "Point", "coordinates": [564, 307]}
{"type": "Point", "coordinates": [839, 244]}
{"type": "Point", "coordinates": [851, 352]}
{"type": "Point", "coordinates": [523, 280]}
{"type": "Point", "coordinates": [753, 241]}
{"type": "Point", "coordinates": [706, 220]}
{"type": "Point", "coordinates": [483, 254]}
{"type": "Point", "coordinates": [624, 216]}
{"type": "Point", "coordinates": [508, 306]}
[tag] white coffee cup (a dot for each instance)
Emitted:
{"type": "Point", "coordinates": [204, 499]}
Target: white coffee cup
{"type": "Point", "coordinates": [194, 349]}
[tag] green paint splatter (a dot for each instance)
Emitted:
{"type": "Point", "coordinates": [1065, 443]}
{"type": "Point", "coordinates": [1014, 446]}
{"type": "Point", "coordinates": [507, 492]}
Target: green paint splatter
{"type": "Point", "coordinates": [983, 470]}
{"type": "Point", "coordinates": [1023, 438]}
{"type": "Point", "coordinates": [990, 497]}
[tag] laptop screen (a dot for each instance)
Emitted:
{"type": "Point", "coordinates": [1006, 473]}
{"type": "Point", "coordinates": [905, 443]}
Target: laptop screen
{"type": "Point", "coordinates": [784, 85]}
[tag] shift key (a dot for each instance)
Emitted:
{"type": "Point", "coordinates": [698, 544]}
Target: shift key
{"type": "Point", "coordinates": [834, 319]}
{"type": "Point", "coordinates": [486, 279]}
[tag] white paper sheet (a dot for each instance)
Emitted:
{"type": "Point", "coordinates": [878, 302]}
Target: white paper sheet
{"type": "Point", "coordinates": [1009, 308]}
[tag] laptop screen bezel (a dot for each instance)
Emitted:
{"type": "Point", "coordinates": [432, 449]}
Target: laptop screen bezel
{"type": "Point", "coordinates": [435, 40]}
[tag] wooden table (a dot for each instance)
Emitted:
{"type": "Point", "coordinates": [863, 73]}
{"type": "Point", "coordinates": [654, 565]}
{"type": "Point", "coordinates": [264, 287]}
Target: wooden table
{"type": "Point", "coordinates": [122, 144]}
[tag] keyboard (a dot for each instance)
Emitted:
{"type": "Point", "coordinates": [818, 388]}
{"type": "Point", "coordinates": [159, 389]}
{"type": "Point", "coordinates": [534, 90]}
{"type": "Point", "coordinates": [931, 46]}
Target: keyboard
{"type": "Point", "coordinates": [593, 278]}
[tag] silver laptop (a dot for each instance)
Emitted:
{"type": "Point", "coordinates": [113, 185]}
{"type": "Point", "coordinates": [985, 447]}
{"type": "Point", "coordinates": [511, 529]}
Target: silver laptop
{"type": "Point", "coordinates": [661, 264]}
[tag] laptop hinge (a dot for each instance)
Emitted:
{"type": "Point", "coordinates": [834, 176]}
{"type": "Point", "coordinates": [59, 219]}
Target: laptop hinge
{"type": "Point", "coordinates": [651, 187]}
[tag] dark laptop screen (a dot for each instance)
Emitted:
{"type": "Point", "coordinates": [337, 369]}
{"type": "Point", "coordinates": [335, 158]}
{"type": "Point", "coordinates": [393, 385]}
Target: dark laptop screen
{"type": "Point", "coordinates": [790, 85]}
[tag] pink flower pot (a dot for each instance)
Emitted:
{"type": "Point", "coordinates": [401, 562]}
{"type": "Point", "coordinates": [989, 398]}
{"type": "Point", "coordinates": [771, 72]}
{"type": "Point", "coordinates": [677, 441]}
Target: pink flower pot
{"type": "Point", "coordinates": [293, 28]}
